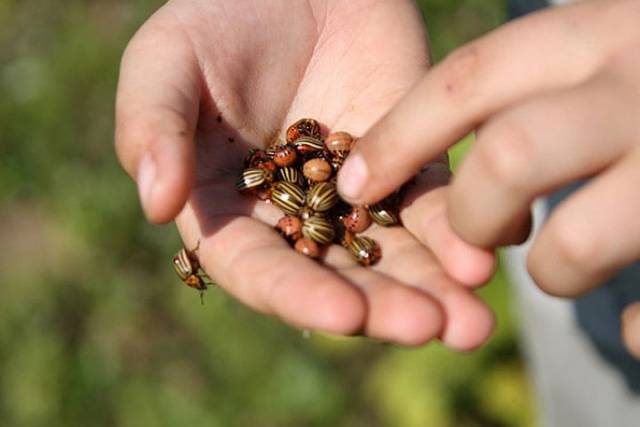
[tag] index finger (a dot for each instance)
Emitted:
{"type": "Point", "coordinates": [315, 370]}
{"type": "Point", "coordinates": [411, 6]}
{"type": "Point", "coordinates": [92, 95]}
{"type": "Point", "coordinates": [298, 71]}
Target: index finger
{"type": "Point", "coordinates": [531, 55]}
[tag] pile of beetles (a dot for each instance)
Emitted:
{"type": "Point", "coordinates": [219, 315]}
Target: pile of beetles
{"type": "Point", "coordinates": [299, 177]}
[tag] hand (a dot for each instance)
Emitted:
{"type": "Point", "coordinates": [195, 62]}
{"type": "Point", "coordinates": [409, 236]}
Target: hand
{"type": "Point", "coordinates": [230, 75]}
{"type": "Point", "coordinates": [558, 97]}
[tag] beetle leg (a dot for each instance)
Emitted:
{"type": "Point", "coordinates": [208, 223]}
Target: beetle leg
{"type": "Point", "coordinates": [194, 250]}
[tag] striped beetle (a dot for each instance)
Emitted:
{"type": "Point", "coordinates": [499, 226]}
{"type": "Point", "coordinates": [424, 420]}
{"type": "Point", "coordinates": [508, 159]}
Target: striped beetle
{"type": "Point", "coordinates": [292, 175]}
{"type": "Point", "coordinates": [322, 197]}
{"type": "Point", "coordinates": [308, 144]}
{"type": "Point", "coordinates": [382, 215]}
{"type": "Point", "coordinates": [303, 127]}
{"type": "Point", "coordinates": [318, 229]}
{"type": "Point", "coordinates": [187, 267]}
{"type": "Point", "coordinates": [288, 197]}
{"type": "Point", "coordinates": [339, 142]}
{"type": "Point", "coordinates": [253, 178]}
{"type": "Point", "coordinates": [365, 250]}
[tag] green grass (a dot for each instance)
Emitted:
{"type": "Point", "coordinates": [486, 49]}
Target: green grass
{"type": "Point", "coordinates": [96, 330]}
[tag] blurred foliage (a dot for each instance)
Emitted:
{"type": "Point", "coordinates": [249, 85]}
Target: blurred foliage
{"type": "Point", "coordinates": [95, 328]}
{"type": "Point", "coordinates": [452, 22]}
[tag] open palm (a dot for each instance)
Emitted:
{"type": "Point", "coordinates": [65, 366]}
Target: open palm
{"type": "Point", "coordinates": [232, 75]}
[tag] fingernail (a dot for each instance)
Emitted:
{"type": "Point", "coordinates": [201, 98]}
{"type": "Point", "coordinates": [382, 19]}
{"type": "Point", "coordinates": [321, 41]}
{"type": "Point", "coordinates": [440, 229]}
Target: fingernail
{"type": "Point", "coordinates": [353, 177]}
{"type": "Point", "coordinates": [146, 178]}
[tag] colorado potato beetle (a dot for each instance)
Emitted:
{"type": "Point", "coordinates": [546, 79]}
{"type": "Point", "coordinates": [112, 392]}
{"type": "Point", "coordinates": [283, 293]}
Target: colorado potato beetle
{"type": "Point", "coordinates": [288, 197]}
{"type": "Point", "coordinates": [307, 247]}
{"type": "Point", "coordinates": [290, 227]}
{"type": "Point", "coordinates": [358, 220]}
{"type": "Point", "coordinates": [322, 197]}
{"type": "Point", "coordinates": [317, 170]}
{"type": "Point", "coordinates": [285, 155]}
{"type": "Point", "coordinates": [383, 215]}
{"type": "Point", "coordinates": [339, 142]}
{"type": "Point", "coordinates": [187, 267]}
{"type": "Point", "coordinates": [253, 178]}
{"type": "Point", "coordinates": [365, 250]}
{"type": "Point", "coordinates": [291, 174]}
{"type": "Point", "coordinates": [308, 144]}
{"type": "Point", "coordinates": [303, 127]}
{"type": "Point", "coordinates": [318, 229]}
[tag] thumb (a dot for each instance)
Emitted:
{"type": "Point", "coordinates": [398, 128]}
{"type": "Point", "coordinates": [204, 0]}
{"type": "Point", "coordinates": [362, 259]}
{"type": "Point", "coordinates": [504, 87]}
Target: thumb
{"type": "Point", "coordinates": [156, 116]}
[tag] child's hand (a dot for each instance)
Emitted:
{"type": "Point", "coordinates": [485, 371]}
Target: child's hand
{"type": "Point", "coordinates": [230, 75]}
{"type": "Point", "coordinates": [558, 97]}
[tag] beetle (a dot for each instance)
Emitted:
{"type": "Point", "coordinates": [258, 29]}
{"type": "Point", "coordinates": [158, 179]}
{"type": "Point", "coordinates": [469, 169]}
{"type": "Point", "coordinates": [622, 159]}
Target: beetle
{"type": "Point", "coordinates": [358, 220]}
{"type": "Point", "coordinates": [317, 170]}
{"type": "Point", "coordinates": [285, 155]}
{"type": "Point", "coordinates": [318, 229]}
{"type": "Point", "coordinates": [288, 197]}
{"type": "Point", "coordinates": [322, 197]}
{"type": "Point", "coordinates": [292, 175]}
{"type": "Point", "coordinates": [365, 250]}
{"type": "Point", "coordinates": [383, 215]}
{"type": "Point", "coordinates": [339, 142]}
{"type": "Point", "coordinates": [187, 267]}
{"type": "Point", "coordinates": [303, 127]}
{"type": "Point", "coordinates": [253, 178]}
{"type": "Point", "coordinates": [308, 144]}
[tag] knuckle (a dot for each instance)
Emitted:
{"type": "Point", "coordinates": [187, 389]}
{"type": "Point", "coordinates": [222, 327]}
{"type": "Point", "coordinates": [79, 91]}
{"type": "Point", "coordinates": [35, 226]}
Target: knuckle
{"type": "Point", "coordinates": [506, 154]}
{"type": "Point", "coordinates": [461, 68]}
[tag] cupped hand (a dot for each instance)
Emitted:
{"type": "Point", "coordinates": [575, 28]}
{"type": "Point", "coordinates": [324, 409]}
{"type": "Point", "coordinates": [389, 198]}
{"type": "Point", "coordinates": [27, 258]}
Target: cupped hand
{"type": "Point", "coordinates": [231, 75]}
{"type": "Point", "coordinates": [557, 95]}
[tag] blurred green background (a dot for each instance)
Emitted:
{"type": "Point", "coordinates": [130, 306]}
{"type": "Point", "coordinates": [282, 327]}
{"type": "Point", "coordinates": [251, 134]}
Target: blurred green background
{"type": "Point", "coordinates": [95, 329]}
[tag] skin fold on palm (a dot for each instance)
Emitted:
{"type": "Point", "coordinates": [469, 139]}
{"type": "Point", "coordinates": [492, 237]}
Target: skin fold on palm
{"type": "Point", "coordinates": [232, 75]}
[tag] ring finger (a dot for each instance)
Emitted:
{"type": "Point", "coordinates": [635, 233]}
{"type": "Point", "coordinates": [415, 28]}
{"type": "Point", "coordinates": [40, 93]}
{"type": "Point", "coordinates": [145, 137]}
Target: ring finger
{"type": "Point", "coordinates": [533, 149]}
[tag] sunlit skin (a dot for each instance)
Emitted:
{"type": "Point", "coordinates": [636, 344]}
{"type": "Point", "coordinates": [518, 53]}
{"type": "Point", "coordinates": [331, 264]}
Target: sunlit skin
{"type": "Point", "coordinates": [557, 95]}
{"type": "Point", "coordinates": [233, 75]}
